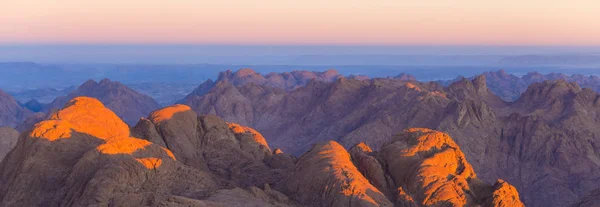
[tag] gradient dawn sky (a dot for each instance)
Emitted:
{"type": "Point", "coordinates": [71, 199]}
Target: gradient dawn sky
{"type": "Point", "coordinates": [305, 22]}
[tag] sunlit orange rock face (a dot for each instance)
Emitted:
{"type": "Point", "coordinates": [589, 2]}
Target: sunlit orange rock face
{"type": "Point", "coordinates": [439, 169]}
{"type": "Point", "coordinates": [429, 168]}
{"type": "Point", "coordinates": [234, 152]}
{"type": "Point", "coordinates": [168, 112]}
{"type": "Point", "coordinates": [326, 176]}
{"type": "Point", "coordinates": [419, 167]}
{"type": "Point", "coordinates": [258, 138]}
{"type": "Point", "coordinates": [89, 116]}
{"type": "Point", "coordinates": [84, 115]}
{"type": "Point", "coordinates": [84, 155]}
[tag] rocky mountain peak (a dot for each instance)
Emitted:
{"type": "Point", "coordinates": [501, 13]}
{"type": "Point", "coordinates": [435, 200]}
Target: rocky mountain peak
{"type": "Point", "coordinates": [548, 91]}
{"type": "Point", "coordinates": [430, 169]}
{"type": "Point", "coordinates": [330, 74]}
{"type": "Point", "coordinates": [405, 77]}
{"type": "Point", "coordinates": [480, 84]}
{"type": "Point", "coordinates": [327, 169]}
{"type": "Point", "coordinates": [128, 104]}
{"type": "Point", "coordinates": [84, 115]}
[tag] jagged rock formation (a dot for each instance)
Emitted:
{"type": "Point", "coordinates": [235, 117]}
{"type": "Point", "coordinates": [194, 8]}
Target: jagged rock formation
{"type": "Point", "coordinates": [420, 167]}
{"type": "Point", "coordinates": [326, 176]}
{"type": "Point", "coordinates": [83, 155]}
{"type": "Point", "coordinates": [8, 140]}
{"type": "Point", "coordinates": [286, 80]}
{"type": "Point", "coordinates": [510, 87]}
{"type": "Point", "coordinates": [11, 113]}
{"type": "Point", "coordinates": [232, 151]}
{"type": "Point", "coordinates": [128, 104]}
{"type": "Point", "coordinates": [429, 169]}
{"type": "Point", "coordinates": [545, 140]}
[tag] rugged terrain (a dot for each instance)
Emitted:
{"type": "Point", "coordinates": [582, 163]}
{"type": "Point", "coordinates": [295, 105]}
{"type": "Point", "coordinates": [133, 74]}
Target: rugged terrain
{"type": "Point", "coordinates": [128, 104]}
{"type": "Point", "coordinates": [544, 143]}
{"type": "Point", "coordinates": [11, 113]}
{"type": "Point", "coordinates": [510, 87]}
{"type": "Point", "coordinates": [83, 154]}
{"type": "Point", "coordinates": [8, 140]}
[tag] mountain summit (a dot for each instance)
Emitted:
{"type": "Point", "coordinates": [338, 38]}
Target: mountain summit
{"type": "Point", "coordinates": [125, 102]}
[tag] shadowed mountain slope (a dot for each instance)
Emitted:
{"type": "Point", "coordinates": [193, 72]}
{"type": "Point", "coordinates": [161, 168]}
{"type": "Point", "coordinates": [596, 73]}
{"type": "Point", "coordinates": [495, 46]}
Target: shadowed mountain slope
{"type": "Point", "coordinates": [11, 113]}
{"type": "Point", "coordinates": [8, 140]}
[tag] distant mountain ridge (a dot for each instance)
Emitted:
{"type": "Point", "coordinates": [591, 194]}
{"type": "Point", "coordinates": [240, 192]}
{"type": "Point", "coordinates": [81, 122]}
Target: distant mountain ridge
{"type": "Point", "coordinates": [509, 87]}
{"type": "Point", "coordinates": [286, 80]}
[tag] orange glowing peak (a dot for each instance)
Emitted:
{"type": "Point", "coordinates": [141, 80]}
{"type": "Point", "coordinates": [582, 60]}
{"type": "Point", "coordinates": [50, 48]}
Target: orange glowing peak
{"type": "Point", "coordinates": [89, 116]}
{"type": "Point", "coordinates": [340, 164]}
{"type": "Point", "coordinates": [505, 195]}
{"type": "Point", "coordinates": [151, 162]}
{"type": "Point", "coordinates": [83, 115]}
{"type": "Point", "coordinates": [446, 149]}
{"type": "Point", "coordinates": [239, 129]}
{"type": "Point", "coordinates": [168, 112]}
{"type": "Point", "coordinates": [364, 147]}
{"type": "Point", "coordinates": [413, 86]}
{"type": "Point", "coordinates": [277, 151]}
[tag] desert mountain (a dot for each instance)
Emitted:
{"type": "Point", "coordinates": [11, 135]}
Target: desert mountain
{"type": "Point", "coordinates": [11, 113]}
{"type": "Point", "coordinates": [545, 140]}
{"type": "Point", "coordinates": [83, 154]}
{"type": "Point", "coordinates": [125, 102]}
{"type": "Point", "coordinates": [286, 80]}
{"type": "Point", "coordinates": [8, 140]}
{"type": "Point", "coordinates": [510, 87]}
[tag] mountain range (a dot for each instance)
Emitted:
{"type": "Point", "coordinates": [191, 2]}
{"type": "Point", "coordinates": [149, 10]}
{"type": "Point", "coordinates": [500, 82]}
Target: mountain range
{"type": "Point", "coordinates": [83, 155]}
{"type": "Point", "coordinates": [510, 87]}
{"type": "Point", "coordinates": [536, 132]}
{"type": "Point", "coordinates": [544, 140]}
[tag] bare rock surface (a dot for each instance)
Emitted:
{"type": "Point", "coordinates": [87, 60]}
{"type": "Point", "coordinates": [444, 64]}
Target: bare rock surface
{"type": "Point", "coordinates": [11, 113]}
{"type": "Point", "coordinates": [8, 140]}
{"type": "Point", "coordinates": [85, 155]}
{"type": "Point", "coordinates": [544, 140]}
{"type": "Point", "coordinates": [128, 104]}
{"type": "Point", "coordinates": [326, 176]}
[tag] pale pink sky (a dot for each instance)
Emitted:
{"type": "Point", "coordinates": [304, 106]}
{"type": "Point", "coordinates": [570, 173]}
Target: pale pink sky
{"type": "Point", "coordinates": [473, 22]}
